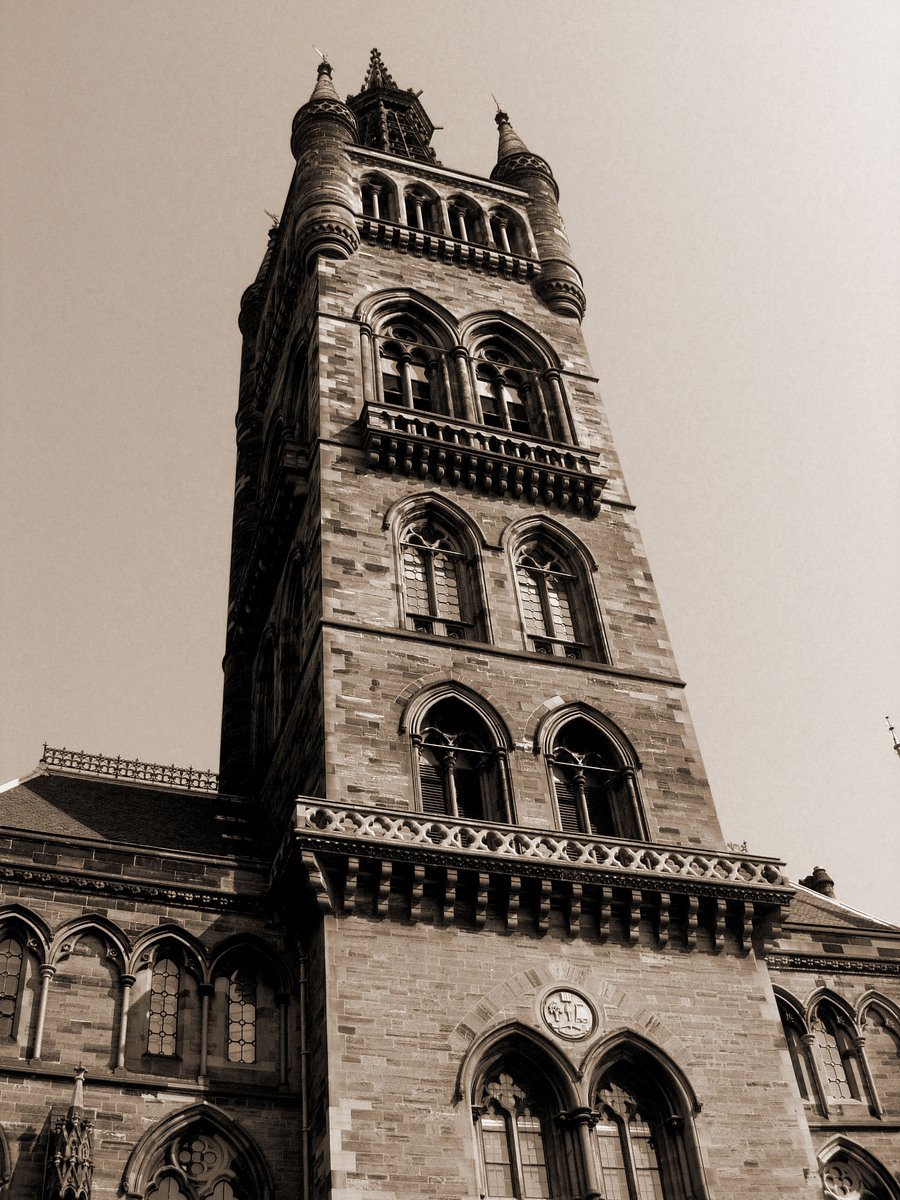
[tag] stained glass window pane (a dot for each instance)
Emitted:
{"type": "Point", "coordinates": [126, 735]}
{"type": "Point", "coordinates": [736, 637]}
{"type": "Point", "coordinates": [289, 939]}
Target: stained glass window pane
{"type": "Point", "coordinates": [163, 1007]}
{"type": "Point", "coordinates": [11, 956]}
{"type": "Point", "coordinates": [241, 1018]}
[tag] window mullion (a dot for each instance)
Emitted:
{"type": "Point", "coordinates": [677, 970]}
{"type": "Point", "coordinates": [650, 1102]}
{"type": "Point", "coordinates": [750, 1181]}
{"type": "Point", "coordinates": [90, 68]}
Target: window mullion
{"type": "Point", "coordinates": [406, 381]}
{"type": "Point", "coordinates": [516, 1157]}
{"type": "Point", "coordinates": [628, 1155]}
{"type": "Point", "coordinates": [447, 764]}
{"type": "Point", "coordinates": [429, 557]}
{"type": "Point", "coordinates": [546, 609]}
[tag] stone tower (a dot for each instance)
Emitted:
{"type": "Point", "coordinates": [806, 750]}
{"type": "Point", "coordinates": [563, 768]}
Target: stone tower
{"type": "Point", "coordinates": [457, 919]}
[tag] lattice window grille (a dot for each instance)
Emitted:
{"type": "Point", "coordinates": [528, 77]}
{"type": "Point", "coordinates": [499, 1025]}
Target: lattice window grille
{"type": "Point", "coordinates": [241, 1018]}
{"type": "Point", "coordinates": [12, 960]}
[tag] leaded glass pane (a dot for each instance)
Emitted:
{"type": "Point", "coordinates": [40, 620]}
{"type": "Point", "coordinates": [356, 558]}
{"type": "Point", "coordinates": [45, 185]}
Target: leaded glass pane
{"type": "Point", "coordinates": [531, 602]}
{"type": "Point", "coordinates": [420, 386]}
{"type": "Point", "coordinates": [646, 1164]}
{"type": "Point", "coordinates": [613, 1174]}
{"type": "Point", "coordinates": [241, 1018]}
{"type": "Point", "coordinates": [446, 587]}
{"type": "Point", "coordinates": [163, 1008]}
{"type": "Point", "coordinates": [836, 1082]}
{"type": "Point", "coordinates": [415, 577]}
{"type": "Point", "coordinates": [11, 956]}
{"type": "Point", "coordinates": [559, 599]}
{"type": "Point", "coordinates": [497, 1162]}
{"type": "Point", "coordinates": [391, 382]}
{"type": "Point", "coordinates": [535, 1185]}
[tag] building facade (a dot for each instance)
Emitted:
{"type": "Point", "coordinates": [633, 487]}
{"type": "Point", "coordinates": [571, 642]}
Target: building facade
{"type": "Point", "coordinates": [457, 918]}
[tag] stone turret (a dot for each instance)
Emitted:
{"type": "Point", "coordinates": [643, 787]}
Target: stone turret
{"type": "Point", "coordinates": [323, 210]}
{"type": "Point", "coordinates": [559, 284]}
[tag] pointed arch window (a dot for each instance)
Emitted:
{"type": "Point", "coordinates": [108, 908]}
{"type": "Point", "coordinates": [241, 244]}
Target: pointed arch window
{"type": "Point", "coordinates": [595, 788]}
{"type": "Point", "coordinates": [438, 590]}
{"type": "Point", "coordinates": [626, 1145]}
{"type": "Point", "coordinates": [507, 395]}
{"type": "Point", "coordinates": [556, 603]}
{"type": "Point", "coordinates": [798, 1043]}
{"type": "Point", "coordinates": [512, 1136]}
{"type": "Point", "coordinates": [845, 1177]}
{"type": "Point", "coordinates": [165, 986]}
{"type": "Point", "coordinates": [838, 1054]}
{"type": "Point", "coordinates": [199, 1165]}
{"type": "Point", "coordinates": [377, 199]}
{"type": "Point", "coordinates": [411, 373]}
{"type": "Point", "coordinates": [466, 220]}
{"type": "Point", "coordinates": [12, 976]}
{"type": "Point", "coordinates": [506, 231]}
{"type": "Point", "coordinates": [242, 1013]}
{"type": "Point", "coordinates": [462, 770]}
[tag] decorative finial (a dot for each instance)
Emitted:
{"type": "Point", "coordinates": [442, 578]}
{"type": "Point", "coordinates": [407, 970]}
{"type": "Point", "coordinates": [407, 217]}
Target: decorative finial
{"type": "Point", "coordinates": [497, 102]}
{"type": "Point", "coordinates": [893, 735]}
{"type": "Point", "coordinates": [78, 1093]}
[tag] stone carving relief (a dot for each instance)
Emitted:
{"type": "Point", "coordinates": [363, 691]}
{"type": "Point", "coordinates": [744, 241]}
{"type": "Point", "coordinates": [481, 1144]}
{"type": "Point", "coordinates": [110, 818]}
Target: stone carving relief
{"type": "Point", "coordinates": [568, 1014]}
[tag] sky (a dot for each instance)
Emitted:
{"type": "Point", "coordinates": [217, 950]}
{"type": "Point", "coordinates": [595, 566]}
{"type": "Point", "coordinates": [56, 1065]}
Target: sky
{"type": "Point", "coordinates": [729, 175]}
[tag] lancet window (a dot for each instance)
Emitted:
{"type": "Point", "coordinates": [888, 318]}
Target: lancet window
{"type": "Point", "coordinates": [165, 984]}
{"type": "Point", "coordinates": [198, 1166]}
{"type": "Point", "coordinates": [512, 1132]}
{"type": "Point", "coordinates": [556, 602]}
{"type": "Point", "coordinates": [410, 371]}
{"type": "Point", "coordinates": [626, 1144]}
{"type": "Point", "coordinates": [462, 769]}
{"type": "Point", "coordinates": [798, 1042]}
{"type": "Point", "coordinates": [12, 974]}
{"type": "Point", "coordinates": [508, 394]}
{"type": "Point", "coordinates": [595, 788]}
{"type": "Point", "coordinates": [438, 590]}
{"type": "Point", "coordinates": [466, 220]}
{"type": "Point", "coordinates": [838, 1055]}
{"type": "Point", "coordinates": [377, 199]}
{"type": "Point", "coordinates": [507, 233]}
{"type": "Point", "coordinates": [242, 1013]}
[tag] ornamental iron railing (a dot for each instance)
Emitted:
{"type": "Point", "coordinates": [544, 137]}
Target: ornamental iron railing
{"type": "Point", "coordinates": [131, 768]}
{"type": "Point", "coordinates": [512, 843]}
{"type": "Point", "coordinates": [411, 443]}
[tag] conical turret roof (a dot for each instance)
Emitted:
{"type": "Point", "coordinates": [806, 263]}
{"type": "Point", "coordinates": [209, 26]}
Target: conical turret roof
{"type": "Point", "coordinates": [324, 89]}
{"type": "Point", "coordinates": [390, 118]}
{"type": "Point", "coordinates": [510, 142]}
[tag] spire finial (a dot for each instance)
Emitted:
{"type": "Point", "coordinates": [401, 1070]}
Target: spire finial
{"type": "Point", "coordinates": [324, 89]}
{"type": "Point", "coordinates": [893, 733]}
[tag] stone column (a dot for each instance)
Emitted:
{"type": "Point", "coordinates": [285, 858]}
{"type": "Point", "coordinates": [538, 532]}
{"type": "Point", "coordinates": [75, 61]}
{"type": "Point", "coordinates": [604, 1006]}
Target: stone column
{"type": "Point", "coordinates": [47, 973]}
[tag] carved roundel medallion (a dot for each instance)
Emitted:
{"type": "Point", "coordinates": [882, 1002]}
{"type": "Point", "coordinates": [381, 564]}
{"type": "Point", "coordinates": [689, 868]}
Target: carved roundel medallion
{"type": "Point", "coordinates": [568, 1014]}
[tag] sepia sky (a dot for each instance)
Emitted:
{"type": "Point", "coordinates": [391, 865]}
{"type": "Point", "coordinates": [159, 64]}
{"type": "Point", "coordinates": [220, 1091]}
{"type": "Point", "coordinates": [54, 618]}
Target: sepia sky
{"type": "Point", "coordinates": [729, 176]}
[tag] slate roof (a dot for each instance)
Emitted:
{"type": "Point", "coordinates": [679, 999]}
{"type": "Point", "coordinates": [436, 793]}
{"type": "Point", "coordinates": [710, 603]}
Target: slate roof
{"type": "Point", "coordinates": [71, 804]}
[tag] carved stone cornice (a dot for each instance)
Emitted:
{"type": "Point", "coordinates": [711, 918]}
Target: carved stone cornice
{"type": "Point", "coordinates": [438, 246]}
{"type": "Point", "coordinates": [380, 862]}
{"type": "Point", "coordinates": [833, 965]}
{"type": "Point", "coordinates": [492, 461]}
{"type": "Point", "coordinates": [117, 888]}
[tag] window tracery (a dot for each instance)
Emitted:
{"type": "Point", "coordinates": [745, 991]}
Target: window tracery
{"type": "Point", "coordinates": [410, 370]}
{"type": "Point", "coordinates": [547, 588]}
{"type": "Point", "coordinates": [506, 394]}
{"type": "Point", "coordinates": [461, 768]}
{"type": "Point", "coordinates": [511, 1132]}
{"type": "Point", "coordinates": [626, 1145]}
{"type": "Point", "coordinates": [198, 1166]}
{"type": "Point", "coordinates": [437, 593]}
{"type": "Point", "coordinates": [594, 786]}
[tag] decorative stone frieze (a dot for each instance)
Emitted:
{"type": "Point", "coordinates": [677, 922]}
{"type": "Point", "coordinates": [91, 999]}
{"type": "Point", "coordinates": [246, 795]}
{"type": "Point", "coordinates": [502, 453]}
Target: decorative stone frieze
{"type": "Point", "coordinates": [438, 246]}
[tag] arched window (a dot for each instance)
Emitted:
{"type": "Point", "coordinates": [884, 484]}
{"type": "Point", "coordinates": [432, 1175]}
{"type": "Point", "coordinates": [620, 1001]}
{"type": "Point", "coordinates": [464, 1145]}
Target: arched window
{"type": "Point", "coordinates": [162, 1029]}
{"type": "Point", "coordinates": [421, 210]}
{"type": "Point", "coordinates": [438, 589]}
{"type": "Point", "coordinates": [513, 1127]}
{"type": "Point", "coordinates": [410, 370]}
{"type": "Point", "coordinates": [507, 232]}
{"type": "Point", "coordinates": [466, 220]}
{"type": "Point", "coordinates": [852, 1174]}
{"type": "Point", "coordinates": [199, 1165]}
{"type": "Point", "coordinates": [508, 394]}
{"type": "Point", "coordinates": [594, 786]}
{"type": "Point", "coordinates": [377, 199]}
{"type": "Point", "coordinates": [838, 1054]}
{"type": "Point", "coordinates": [626, 1146]}
{"type": "Point", "coordinates": [242, 1017]}
{"type": "Point", "coordinates": [556, 602]}
{"type": "Point", "coordinates": [644, 1143]}
{"type": "Point", "coordinates": [461, 767]}
{"type": "Point", "coordinates": [798, 1043]}
{"type": "Point", "coordinates": [12, 980]}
